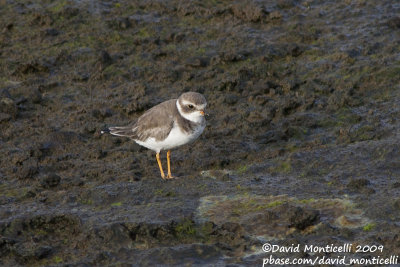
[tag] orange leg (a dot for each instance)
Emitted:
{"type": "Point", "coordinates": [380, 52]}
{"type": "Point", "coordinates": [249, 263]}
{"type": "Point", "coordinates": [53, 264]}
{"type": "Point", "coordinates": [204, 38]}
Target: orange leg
{"type": "Point", "coordinates": [160, 166]}
{"type": "Point", "coordinates": [169, 176]}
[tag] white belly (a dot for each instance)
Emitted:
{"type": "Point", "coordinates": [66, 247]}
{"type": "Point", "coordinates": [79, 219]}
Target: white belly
{"type": "Point", "coordinates": [175, 139]}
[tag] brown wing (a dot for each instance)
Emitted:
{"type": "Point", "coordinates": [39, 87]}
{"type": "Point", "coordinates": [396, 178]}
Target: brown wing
{"type": "Point", "coordinates": [157, 122]}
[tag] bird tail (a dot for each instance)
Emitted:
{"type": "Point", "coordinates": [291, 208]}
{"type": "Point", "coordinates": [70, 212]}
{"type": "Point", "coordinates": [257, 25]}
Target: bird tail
{"type": "Point", "coordinates": [119, 131]}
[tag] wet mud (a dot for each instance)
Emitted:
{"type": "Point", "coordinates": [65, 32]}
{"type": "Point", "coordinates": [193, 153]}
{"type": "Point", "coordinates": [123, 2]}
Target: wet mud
{"type": "Point", "coordinates": [301, 145]}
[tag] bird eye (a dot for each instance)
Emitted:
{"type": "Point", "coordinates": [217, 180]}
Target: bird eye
{"type": "Point", "coordinates": [190, 106]}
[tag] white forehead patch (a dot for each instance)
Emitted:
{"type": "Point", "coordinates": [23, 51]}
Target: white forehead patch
{"type": "Point", "coordinates": [202, 107]}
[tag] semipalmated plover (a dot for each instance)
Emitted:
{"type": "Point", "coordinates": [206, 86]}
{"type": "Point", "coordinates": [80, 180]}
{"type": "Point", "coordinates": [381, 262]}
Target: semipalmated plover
{"type": "Point", "coordinates": [168, 125]}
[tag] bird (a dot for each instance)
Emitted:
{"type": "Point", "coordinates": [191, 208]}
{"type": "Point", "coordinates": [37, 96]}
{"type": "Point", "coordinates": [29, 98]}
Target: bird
{"type": "Point", "coordinates": [166, 126]}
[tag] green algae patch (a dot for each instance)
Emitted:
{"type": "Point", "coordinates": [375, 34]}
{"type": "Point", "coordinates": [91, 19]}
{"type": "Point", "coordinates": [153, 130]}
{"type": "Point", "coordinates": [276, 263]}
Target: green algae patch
{"type": "Point", "coordinates": [281, 167]}
{"type": "Point", "coordinates": [58, 6]}
{"type": "Point", "coordinates": [164, 193]}
{"type": "Point", "coordinates": [278, 216]}
{"type": "Point", "coordinates": [57, 259]}
{"type": "Point", "coordinates": [185, 228]}
{"type": "Point", "coordinates": [242, 169]}
{"type": "Point", "coordinates": [116, 204]}
{"type": "Point", "coordinates": [368, 227]}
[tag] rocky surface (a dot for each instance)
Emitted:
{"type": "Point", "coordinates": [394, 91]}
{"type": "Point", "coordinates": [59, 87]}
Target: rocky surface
{"type": "Point", "coordinates": [301, 147]}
